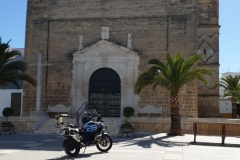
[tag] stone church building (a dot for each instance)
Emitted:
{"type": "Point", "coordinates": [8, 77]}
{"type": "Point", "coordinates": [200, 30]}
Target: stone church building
{"type": "Point", "coordinates": [94, 51]}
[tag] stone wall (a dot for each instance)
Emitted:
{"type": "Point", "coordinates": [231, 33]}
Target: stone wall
{"type": "Point", "coordinates": [141, 124]}
{"type": "Point", "coordinates": [53, 27]}
{"type": "Point", "coordinates": [74, 9]}
{"type": "Point", "coordinates": [21, 123]}
{"type": "Point", "coordinates": [207, 106]}
{"type": "Point", "coordinates": [208, 45]}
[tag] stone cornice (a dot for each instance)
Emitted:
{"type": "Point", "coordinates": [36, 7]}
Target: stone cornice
{"type": "Point", "coordinates": [209, 27]}
{"type": "Point", "coordinates": [105, 47]}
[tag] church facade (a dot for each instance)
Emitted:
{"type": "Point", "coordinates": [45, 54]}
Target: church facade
{"type": "Point", "coordinates": [97, 49]}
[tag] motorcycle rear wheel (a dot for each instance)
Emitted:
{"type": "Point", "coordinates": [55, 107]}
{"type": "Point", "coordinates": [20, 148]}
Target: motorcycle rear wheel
{"type": "Point", "coordinates": [71, 148]}
{"type": "Point", "coordinates": [105, 143]}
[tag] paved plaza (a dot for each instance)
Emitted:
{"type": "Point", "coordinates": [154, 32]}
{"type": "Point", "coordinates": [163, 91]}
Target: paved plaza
{"type": "Point", "coordinates": [144, 146]}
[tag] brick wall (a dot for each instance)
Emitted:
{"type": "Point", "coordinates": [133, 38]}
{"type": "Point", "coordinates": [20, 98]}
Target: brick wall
{"type": "Point", "coordinates": [208, 38]}
{"type": "Point", "coordinates": [156, 26]}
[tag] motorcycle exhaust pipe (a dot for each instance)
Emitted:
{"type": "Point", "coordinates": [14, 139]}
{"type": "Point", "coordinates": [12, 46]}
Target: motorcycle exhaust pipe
{"type": "Point", "coordinates": [77, 138]}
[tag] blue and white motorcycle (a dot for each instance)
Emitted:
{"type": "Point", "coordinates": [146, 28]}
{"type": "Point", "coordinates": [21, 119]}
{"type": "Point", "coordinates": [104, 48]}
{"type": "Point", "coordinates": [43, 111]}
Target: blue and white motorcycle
{"type": "Point", "coordinates": [92, 133]}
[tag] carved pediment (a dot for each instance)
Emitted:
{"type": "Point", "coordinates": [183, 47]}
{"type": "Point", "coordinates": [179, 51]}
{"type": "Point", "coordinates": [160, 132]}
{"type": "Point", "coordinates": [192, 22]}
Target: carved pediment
{"type": "Point", "coordinates": [105, 48]}
{"type": "Point", "coordinates": [206, 50]}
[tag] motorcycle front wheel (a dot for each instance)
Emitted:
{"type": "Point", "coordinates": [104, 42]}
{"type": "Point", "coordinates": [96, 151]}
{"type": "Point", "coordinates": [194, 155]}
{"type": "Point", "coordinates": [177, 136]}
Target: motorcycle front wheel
{"type": "Point", "coordinates": [105, 144]}
{"type": "Point", "coordinates": [71, 148]}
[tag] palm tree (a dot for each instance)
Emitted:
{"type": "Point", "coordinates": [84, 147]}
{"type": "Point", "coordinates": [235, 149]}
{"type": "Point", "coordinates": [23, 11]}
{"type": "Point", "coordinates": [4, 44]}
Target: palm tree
{"type": "Point", "coordinates": [172, 76]}
{"type": "Point", "coordinates": [11, 69]}
{"type": "Point", "coordinates": [230, 84]}
{"type": "Point", "coordinates": [234, 93]}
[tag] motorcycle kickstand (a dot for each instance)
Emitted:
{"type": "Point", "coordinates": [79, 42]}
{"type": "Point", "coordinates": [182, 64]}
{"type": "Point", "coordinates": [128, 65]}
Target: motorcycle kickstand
{"type": "Point", "coordinates": [84, 149]}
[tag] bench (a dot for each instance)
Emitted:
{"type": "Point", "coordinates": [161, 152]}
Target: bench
{"type": "Point", "coordinates": [216, 129]}
{"type": "Point", "coordinates": [58, 109]}
{"type": "Point", "coordinates": [149, 109]}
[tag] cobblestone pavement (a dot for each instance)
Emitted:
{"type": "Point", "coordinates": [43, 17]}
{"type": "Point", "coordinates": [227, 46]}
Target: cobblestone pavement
{"type": "Point", "coordinates": [144, 146]}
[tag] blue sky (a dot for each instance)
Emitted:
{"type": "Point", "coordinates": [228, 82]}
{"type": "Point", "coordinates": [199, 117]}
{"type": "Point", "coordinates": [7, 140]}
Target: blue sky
{"type": "Point", "coordinates": [13, 18]}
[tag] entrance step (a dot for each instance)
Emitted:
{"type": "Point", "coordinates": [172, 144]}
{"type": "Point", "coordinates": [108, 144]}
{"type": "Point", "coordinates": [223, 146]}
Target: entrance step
{"type": "Point", "coordinates": [112, 124]}
{"type": "Point", "coordinates": [49, 127]}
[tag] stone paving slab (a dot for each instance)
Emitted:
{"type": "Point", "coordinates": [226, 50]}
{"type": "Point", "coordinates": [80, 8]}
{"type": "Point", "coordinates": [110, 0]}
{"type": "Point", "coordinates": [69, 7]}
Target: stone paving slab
{"type": "Point", "coordinates": [145, 146]}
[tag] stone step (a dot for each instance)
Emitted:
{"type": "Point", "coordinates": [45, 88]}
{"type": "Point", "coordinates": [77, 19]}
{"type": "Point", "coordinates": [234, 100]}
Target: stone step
{"type": "Point", "coordinates": [40, 131]}
{"type": "Point", "coordinates": [49, 127]}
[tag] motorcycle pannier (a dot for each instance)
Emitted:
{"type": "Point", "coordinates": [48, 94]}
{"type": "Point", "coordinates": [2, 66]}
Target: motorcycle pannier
{"type": "Point", "coordinates": [86, 119]}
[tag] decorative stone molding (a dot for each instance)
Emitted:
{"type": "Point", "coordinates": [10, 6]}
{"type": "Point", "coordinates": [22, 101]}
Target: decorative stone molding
{"type": "Point", "coordinates": [206, 51]}
{"type": "Point", "coordinates": [204, 15]}
{"type": "Point", "coordinates": [104, 54]}
{"type": "Point", "coordinates": [80, 42]}
{"type": "Point", "coordinates": [105, 33]}
{"type": "Point", "coordinates": [129, 42]}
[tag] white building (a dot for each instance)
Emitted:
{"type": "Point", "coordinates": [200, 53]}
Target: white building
{"type": "Point", "coordinates": [225, 104]}
{"type": "Point", "coordinates": [223, 75]}
{"type": "Point", "coordinates": [11, 96]}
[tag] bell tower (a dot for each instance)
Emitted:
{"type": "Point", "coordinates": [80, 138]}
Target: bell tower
{"type": "Point", "coordinates": [208, 46]}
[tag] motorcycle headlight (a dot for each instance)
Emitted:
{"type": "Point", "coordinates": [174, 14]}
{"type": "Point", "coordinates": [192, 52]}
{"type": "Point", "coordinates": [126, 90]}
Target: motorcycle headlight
{"type": "Point", "coordinates": [66, 132]}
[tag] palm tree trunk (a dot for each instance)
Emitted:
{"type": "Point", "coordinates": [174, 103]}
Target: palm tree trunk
{"type": "Point", "coordinates": [234, 108]}
{"type": "Point", "coordinates": [175, 117]}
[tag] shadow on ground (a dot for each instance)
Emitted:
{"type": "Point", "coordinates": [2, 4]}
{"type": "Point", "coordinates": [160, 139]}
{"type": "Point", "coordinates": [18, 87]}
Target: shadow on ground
{"type": "Point", "coordinates": [147, 140]}
{"type": "Point", "coordinates": [27, 141]}
{"type": "Point", "coordinates": [80, 155]}
{"type": "Point", "coordinates": [214, 144]}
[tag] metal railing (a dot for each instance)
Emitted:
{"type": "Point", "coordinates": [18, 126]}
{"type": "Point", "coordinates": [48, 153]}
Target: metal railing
{"type": "Point", "coordinates": [80, 111]}
{"type": "Point", "coordinates": [39, 123]}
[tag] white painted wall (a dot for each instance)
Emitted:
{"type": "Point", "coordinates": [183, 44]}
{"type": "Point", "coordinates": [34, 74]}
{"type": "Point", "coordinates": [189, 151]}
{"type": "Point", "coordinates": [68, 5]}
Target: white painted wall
{"type": "Point", "coordinates": [5, 94]}
{"type": "Point", "coordinates": [223, 75]}
{"type": "Point", "coordinates": [5, 97]}
{"type": "Point", "coordinates": [225, 106]}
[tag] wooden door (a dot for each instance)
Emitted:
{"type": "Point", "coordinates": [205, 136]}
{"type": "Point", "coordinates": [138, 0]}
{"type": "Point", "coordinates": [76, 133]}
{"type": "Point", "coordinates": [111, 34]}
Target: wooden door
{"type": "Point", "coordinates": [16, 103]}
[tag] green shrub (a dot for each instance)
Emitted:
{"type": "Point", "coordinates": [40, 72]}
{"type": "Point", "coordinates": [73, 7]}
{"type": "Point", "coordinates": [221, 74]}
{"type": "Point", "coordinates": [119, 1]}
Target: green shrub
{"type": "Point", "coordinates": [7, 112]}
{"type": "Point", "coordinates": [128, 112]}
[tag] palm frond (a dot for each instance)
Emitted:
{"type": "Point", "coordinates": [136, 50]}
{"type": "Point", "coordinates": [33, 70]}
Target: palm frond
{"type": "Point", "coordinates": [228, 83]}
{"type": "Point", "coordinates": [234, 93]}
{"type": "Point", "coordinates": [12, 70]}
{"type": "Point", "coordinates": [143, 80]}
{"type": "Point", "coordinates": [28, 79]}
{"type": "Point", "coordinates": [172, 75]}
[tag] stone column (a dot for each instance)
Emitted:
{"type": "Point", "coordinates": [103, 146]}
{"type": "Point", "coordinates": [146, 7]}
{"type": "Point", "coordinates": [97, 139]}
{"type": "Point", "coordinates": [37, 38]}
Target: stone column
{"type": "Point", "coordinates": [39, 112]}
{"type": "Point", "coordinates": [39, 83]}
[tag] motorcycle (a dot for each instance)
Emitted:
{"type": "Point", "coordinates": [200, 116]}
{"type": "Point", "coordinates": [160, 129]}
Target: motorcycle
{"type": "Point", "coordinates": [92, 133]}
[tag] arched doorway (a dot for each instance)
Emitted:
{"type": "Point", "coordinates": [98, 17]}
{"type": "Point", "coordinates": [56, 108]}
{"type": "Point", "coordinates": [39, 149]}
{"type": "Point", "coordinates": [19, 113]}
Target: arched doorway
{"type": "Point", "coordinates": [105, 92]}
